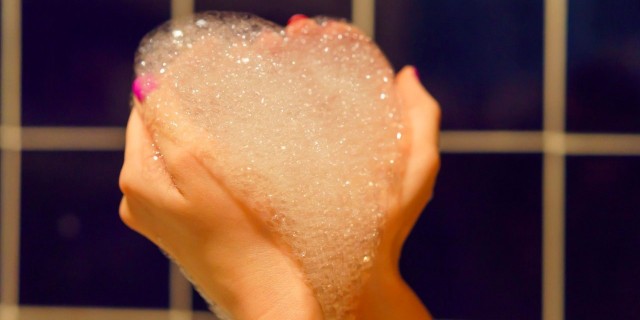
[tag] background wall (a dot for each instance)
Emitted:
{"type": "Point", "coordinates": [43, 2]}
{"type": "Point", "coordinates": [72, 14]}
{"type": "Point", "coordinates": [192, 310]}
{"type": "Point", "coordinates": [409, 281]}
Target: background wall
{"type": "Point", "coordinates": [536, 208]}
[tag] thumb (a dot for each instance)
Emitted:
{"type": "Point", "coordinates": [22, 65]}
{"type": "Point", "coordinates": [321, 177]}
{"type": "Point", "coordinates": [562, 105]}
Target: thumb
{"type": "Point", "coordinates": [422, 117]}
{"type": "Point", "coordinates": [419, 106]}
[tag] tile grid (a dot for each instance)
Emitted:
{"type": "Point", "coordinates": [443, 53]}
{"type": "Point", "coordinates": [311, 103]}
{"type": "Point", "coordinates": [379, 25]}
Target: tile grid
{"type": "Point", "coordinates": [553, 142]}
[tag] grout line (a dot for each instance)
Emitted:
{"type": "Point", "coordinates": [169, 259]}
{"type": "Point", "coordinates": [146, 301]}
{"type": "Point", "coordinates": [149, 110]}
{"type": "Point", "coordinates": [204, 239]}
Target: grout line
{"type": "Point", "coordinates": [73, 138]}
{"type": "Point", "coordinates": [181, 8]}
{"type": "Point", "coordinates": [555, 147]}
{"type": "Point", "coordinates": [180, 294]}
{"type": "Point", "coordinates": [175, 314]}
{"type": "Point", "coordinates": [554, 143]}
{"type": "Point", "coordinates": [11, 137]}
{"type": "Point", "coordinates": [11, 159]}
{"type": "Point", "coordinates": [11, 60]}
{"type": "Point", "coordinates": [491, 141]}
{"type": "Point", "coordinates": [10, 229]}
{"type": "Point", "coordinates": [363, 16]}
{"type": "Point", "coordinates": [603, 144]}
{"type": "Point", "coordinates": [9, 312]}
{"type": "Point", "coordinates": [555, 50]}
{"type": "Point", "coordinates": [64, 313]}
{"type": "Point", "coordinates": [112, 138]}
{"type": "Point", "coordinates": [553, 236]}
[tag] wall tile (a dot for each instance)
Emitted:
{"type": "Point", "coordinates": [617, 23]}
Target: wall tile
{"type": "Point", "coordinates": [603, 237]}
{"type": "Point", "coordinates": [603, 66]}
{"type": "Point", "coordinates": [78, 59]}
{"type": "Point", "coordinates": [476, 251]}
{"type": "Point", "coordinates": [75, 251]}
{"type": "Point", "coordinates": [482, 60]}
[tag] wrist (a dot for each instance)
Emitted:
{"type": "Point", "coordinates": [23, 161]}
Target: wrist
{"type": "Point", "coordinates": [387, 296]}
{"type": "Point", "coordinates": [263, 283]}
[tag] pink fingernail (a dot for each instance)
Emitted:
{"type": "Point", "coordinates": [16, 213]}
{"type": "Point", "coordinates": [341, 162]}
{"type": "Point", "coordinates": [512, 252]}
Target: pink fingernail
{"type": "Point", "coordinates": [415, 70]}
{"type": "Point", "coordinates": [296, 17]}
{"type": "Point", "coordinates": [142, 86]}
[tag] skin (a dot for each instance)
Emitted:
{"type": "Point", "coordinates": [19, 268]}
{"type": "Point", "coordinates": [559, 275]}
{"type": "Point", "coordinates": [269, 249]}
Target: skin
{"type": "Point", "coordinates": [236, 260]}
{"type": "Point", "coordinates": [386, 295]}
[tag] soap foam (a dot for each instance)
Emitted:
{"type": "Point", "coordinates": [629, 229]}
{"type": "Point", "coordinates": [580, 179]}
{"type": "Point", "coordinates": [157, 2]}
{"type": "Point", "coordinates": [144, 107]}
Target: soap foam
{"type": "Point", "coordinates": [305, 129]}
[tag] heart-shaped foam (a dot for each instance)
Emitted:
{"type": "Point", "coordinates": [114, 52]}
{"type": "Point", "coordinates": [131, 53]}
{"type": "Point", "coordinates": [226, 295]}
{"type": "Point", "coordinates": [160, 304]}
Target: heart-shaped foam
{"type": "Point", "coordinates": [302, 124]}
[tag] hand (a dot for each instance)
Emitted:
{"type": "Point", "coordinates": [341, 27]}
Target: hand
{"type": "Point", "coordinates": [175, 202]}
{"type": "Point", "coordinates": [233, 256]}
{"type": "Point", "coordinates": [386, 295]}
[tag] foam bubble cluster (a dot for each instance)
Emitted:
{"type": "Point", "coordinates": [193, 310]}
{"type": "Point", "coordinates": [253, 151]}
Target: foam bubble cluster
{"type": "Point", "coordinates": [302, 124]}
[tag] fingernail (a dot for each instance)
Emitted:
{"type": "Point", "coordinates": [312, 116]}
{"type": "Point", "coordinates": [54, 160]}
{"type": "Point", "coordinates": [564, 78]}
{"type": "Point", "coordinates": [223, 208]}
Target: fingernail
{"type": "Point", "coordinates": [296, 17]}
{"type": "Point", "coordinates": [142, 86]}
{"type": "Point", "coordinates": [415, 71]}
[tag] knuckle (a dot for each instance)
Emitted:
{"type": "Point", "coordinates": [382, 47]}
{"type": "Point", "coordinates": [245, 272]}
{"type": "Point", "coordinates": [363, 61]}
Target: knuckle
{"type": "Point", "coordinates": [437, 110]}
{"type": "Point", "coordinates": [436, 162]}
{"type": "Point", "coordinates": [126, 181]}
{"type": "Point", "coordinates": [125, 214]}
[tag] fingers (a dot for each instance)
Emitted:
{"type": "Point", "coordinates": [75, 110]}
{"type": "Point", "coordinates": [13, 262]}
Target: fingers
{"type": "Point", "coordinates": [142, 86]}
{"type": "Point", "coordinates": [300, 24]}
{"type": "Point", "coordinates": [143, 173]}
{"type": "Point", "coordinates": [139, 218]}
{"type": "Point", "coordinates": [419, 104]}
{"type": "Point", "coordinates": [127, 215]}
{"type": "Point", "coordinates": [270, 40]}
{"type": "Point", "coordinates": [423, 116]}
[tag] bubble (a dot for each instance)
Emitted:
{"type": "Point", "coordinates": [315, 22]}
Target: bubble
{"type": "Point", "coordinates": [303, 125]}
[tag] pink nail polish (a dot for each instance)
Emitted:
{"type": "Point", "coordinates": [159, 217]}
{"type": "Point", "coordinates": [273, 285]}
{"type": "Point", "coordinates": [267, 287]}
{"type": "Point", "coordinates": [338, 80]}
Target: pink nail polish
{"type": "Point", "coordinates": [142, 86]}
{"type": "Point", "coordinates": [296, 17]}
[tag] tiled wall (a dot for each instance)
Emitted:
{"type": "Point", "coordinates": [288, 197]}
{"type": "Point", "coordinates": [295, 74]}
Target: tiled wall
{"type": "Point", "coordinates": [536, 210]}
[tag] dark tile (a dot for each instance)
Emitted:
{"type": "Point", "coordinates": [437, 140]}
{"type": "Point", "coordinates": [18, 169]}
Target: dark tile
{"type": "Point", "coordinates": [78, 58]}
{"type": "Point", "coordinates": [198, 302]}
{"type": "Point", "coordinates": [279, 11]}
{"type": "Point", "coordinates": [603, 237]}
{"type": "Point", "coordinates": [603, 89]}
{"type": "Point", "coordinates": [476, 251]}
{"type": "Point", "coordinates": [74, 248]}
{"type": "Point", "coordinates": [482, 60]}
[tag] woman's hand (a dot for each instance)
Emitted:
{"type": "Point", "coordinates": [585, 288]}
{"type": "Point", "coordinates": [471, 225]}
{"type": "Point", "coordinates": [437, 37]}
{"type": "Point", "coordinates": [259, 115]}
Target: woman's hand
{"type": "Point", "coordinates": [233, 256]}
{"type": "Point", "coordinates": [175, 202]}
{"type": "Point", "coordinates": [386, 295]}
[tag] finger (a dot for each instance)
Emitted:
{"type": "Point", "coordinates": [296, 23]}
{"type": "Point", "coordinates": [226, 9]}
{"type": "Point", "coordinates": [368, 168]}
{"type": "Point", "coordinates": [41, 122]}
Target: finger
{"type": "Point", "coordinates": [126, 215]}
{"type": "Point", "coordinates": [144, 173]}
{"type": "Point", "coordinates": [142, 86]}
{"type": "Point", "coordinates": [300, 24]}
{"type": "Point", "coordinates": [419, 104]}
{"type": "Point", "coordinates": [344, 29]}
{"type": "Point", "coordinates": [423, 117]}
{"type": "Point", "coordinates": [137, 218]}
{"type": "Point", "coordinates": [269, 40]}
